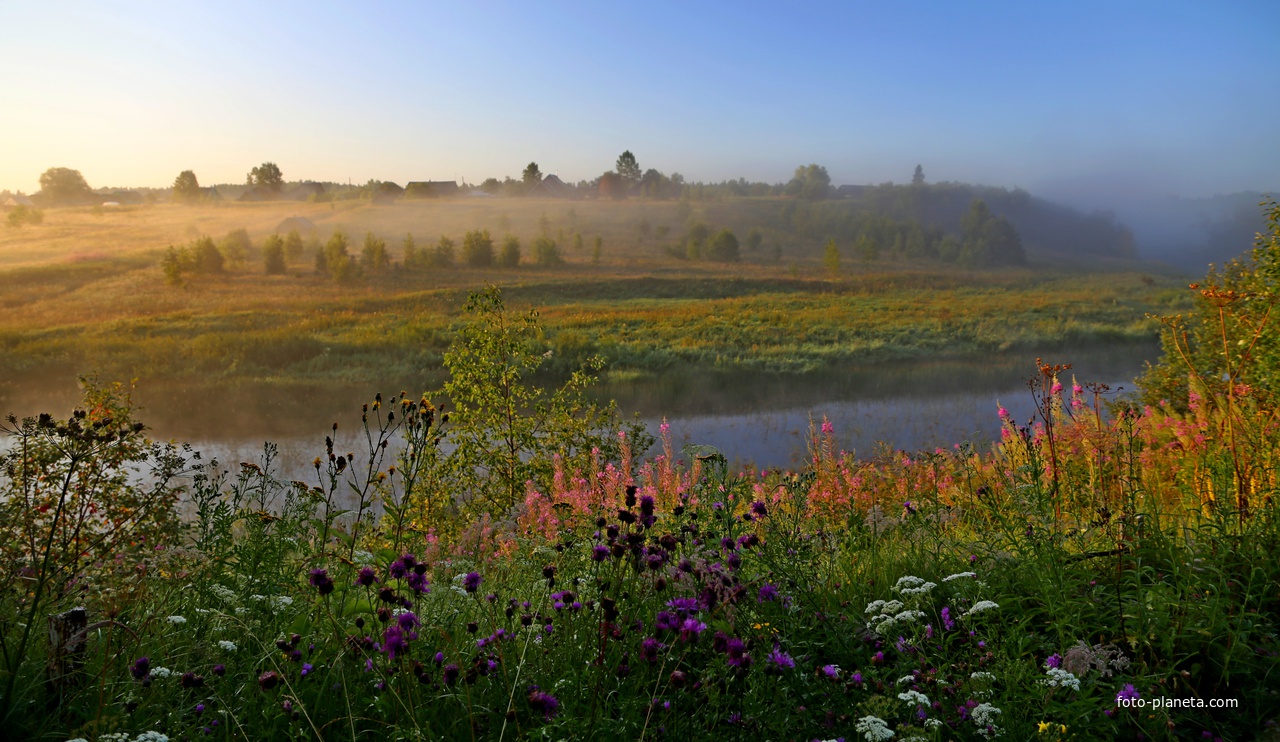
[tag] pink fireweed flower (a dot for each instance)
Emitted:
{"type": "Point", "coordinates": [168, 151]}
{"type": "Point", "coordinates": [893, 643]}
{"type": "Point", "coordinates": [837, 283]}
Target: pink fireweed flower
{"type": "Point", "coordinates": [1004, 414]}
{"type": "Point", "coordinates": [827, 427]}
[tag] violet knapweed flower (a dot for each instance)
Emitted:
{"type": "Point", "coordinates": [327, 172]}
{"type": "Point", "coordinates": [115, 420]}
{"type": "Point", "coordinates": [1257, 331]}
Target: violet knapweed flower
{"type": "Point", "coordinates": [450, 674]}
{"type": "Point", "coordinates": [407, 621]}
{"type": "Point", "coordinates": [306, 669]}
{"type": "Point", "coordinates": [418, 583]}
{"type": "Point", "coordinates": [393, 641]}
{"type": "Point", "coordinates": [471, 582]}
{"type": "Point", "coordinates": [831, 671]}
{"type": "Point", "coordinates": [219, 670]}
{"type": "Point", "coordinates": [758, 507]}
{"type": "Point", "coordinates": [650, 648]}
{"type": "Point", "coordinates": [543, 702]}
{"type": "Point", "coordinates": [666, 621]}
{"type": "Point", "coordinates": [1127, 695]}
{"type": "Point", "coordinates": [736, 654]}
{"type": "Point", "coordinates": [690, 629]}
{"type": "Point", "coordinates": [781, 659]}
{"type": "Point", "coordinates": [1054, 661]}
{"type": "Point", "coordinates": [947, 622]}
{"type": "Point", "coordinates": [140, 668]}
{"type": "Point", "coordinates": [320, 581]}
{"type": "Point", "coordinates": [684, 606]}
{"type": "Point", "coordinates": [366, 576]}
{"type": "Point", "coordinates": [268, 680]}
{"type": "Point", "coordinates": [599, 553]}
{"type": "Point", "coordinates": [768, 593]}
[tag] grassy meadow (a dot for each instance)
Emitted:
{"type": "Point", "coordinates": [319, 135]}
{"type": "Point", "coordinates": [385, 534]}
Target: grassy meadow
{"type": "Point", "coordinates": [84, 292]}
{"type": "Point", "coordinates": [504, 558]}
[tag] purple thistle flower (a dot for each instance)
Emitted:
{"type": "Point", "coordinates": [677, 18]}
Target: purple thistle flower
{"type": "Point", "coordinates": [759, 508]}
{"type": "Point", "coordinates": [831, 671]}
{"type": "Point", "coordinates": [306, 669]}
{"type": "Point", "coordinates": [471, 582]}
{"type": "Point", "coordinates": [947, 623]}
{"type": "Point", "coordinates": [408, 621]}
{"type": "Point", "coordinates": [768, 593]}
{"type": "Point", "coordinates": [140, 668]}
{"type": "Point", "coordinates": [393, 641]}
{"type": "Point", "coordinates": [690, 629]}
{"type": "Point", "coordinates": [683, 606]}
{"type": "Point", "coordinates": [650, 648]}
{"type": "Point", "coordinates": [219, 670]}
{"type": "Point", "coordinates": [856, 678]}
{"type": "Point", "coordinates": [418, 583]}
{"type": "Point", "coordinates": [543, 702]}
{"type": "Point", "coordinates": [439, 657]}
{"type": "Point", "coordinates": [666, 621]}
{"type": "Point", "coordinates": [1054, 661]}
{"type": "Point", "coordinates": [366, 576]}
{"type": "Point", "coordinates": [736, 653]}
{"type": "Point", "coordinates": [450, 674]}
{"type": "Point", "coordinates": [320, 581]}
{"type": "Point", "coordinates": [599, 553]}
{"type": "Point", "coordinates": [734, 561]}
{"type": "Point", "coordinates": [1127, 694]}
{"type": "Point", "coordinates": [781, 659]}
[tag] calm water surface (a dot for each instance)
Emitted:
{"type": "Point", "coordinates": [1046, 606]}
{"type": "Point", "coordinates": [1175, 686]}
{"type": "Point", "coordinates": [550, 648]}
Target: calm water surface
{"type": "Point", "coordinates": [760, 420]}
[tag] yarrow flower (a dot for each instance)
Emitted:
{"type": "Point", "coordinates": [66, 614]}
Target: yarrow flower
{"type": "Point", "coordinates": [980, 606]}
{"type": "Point", "coordinates": [959, 575]}
{"type": "Point", "coordinates": [874, 729]}
{"type": "Point", "coordinates": [227, 646]}
{"type": "Point", "coordinates": [177, 620]}
{"type": "Point", "coordinates": [914, 697]}
{"type": "Point", "coordinates": [1059, 678]}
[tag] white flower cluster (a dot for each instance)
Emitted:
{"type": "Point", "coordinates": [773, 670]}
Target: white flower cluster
{"type": "Point", "coordinates": [982, 676]}
{"type": "Point", "coordinates": [914, 698]}
{"type": "Point", "coordinates": [985, 715]}
{"type": "Point", "coordinates": [228, 646]}
{"type": "Point", "coordinates": [884, 607]}
{"type": "Point", "coordinates": [958, 575]}
{"type": "Point", "coordinates": [224, 593]}
{"type": "Point", "coordinates": [980, 606]}
{"type": "Point", "coordinates": [932, 723]}
{"type": "Point", "coordinates": [112, 737]}
{"type": "Point", "coordinates": [151, 737]}
{"type": "Point", "coordinates": [906, 679]}
{"type": "Point", "coordinates": [276, 603]}
{"type": "Point", "coordinates": [1059, 678]}
{"type": "Point", "coordinates": [363, 559]}
{"type": "Point", "coordinates": [161, 672]}
{"type": "Point", "coordinates": [177, 620]}
{"type": "Point", "coordinates": [874, 729]}
{"type": "Point", "coordinates": [911, 585]}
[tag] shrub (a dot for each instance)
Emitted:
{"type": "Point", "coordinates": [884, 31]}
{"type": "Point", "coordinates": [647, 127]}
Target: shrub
{"type": "Point", "coordinates": [477, 249]}
{"type": "Point", "coordinates": [273, 255]}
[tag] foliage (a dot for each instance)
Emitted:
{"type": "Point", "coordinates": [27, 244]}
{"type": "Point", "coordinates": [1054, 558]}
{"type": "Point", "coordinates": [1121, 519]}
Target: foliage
{"type": "Point", "coordinates": [723, 248]}
{"type": "Point", "coordinates": [811, 183]}
{"type": "Point", "coordinates": [335, 259]}
{"type": "Point", "coordinates": [532, 175]}
{"type": "Point", "coordinates": [201, 256]}
{"type": "Point", "coordinates": [831, 258]}
{"type": "Point", "coordinates": [60, 185]}
{"type": "Point", "coordinates": [989, 239]}
{"type": "Point", "coordinates": [477, 249]}
{"type": "Point", "coordinates": [627, 168]}
{"type": "Point", "coordinates": [293, 246]}
{"type": "Point", "coordinates": [613, 186]}
{"type": "Point", "coordinates": [267, 175]}
{"type": "Point", "coordinates": [273, 255]}
{"type": "Point", "coordinates": [373, 255]}
{"type": "Point", "coordinates": [235, 247]}
{"type": "Point", "coordinates": [186, 188]}
{"type": "Point", "coordinates": [510, 257]}
{"type": "Point", "coordinates": [507, 432]}
{"type": "Point", "coordinates": [20, 215]}
{"type": "Point", "coordinates": [545, 252]}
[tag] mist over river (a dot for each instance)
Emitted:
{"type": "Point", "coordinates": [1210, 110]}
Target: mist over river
{"type": "Point", "coordinates": [762, 420]}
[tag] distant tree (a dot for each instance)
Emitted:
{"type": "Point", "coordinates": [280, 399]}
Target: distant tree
{"type": "Point", "coordinates": [866, 248]}
{"type": "Point", "coordinates": [186, 188]}
{"type": "Point", "coordinates": [831, 258]}
{"type": "Point", "coordinates": [373, 255]}
{"type": "Point", "coordinates": [613, 186]}
{"type": "Point", "coordinates": [443, 255]}
{"type": "Point", "coordinates": [545, 252]}
{"type": "Point", "coordinates": [335, 259]}
{"type": "Point", "coordinates": [723, 247]}
{"type": "Point", "coordinates": [174, 263]}
{"type": "Point", "coordinates": [695, 240]}
{"type": "Point", "coordinates": [754, 238]}
{"type": "Point", "coordinates": [59, 185]}
{"type": "Point", "coordinates": [811, 183]}
{"type": "Point", "coordinates": [477, 249]}
{"type": "Point", "coordinates": [577, 241]}
{"type": "Point", "coordinates": [662, 231]}
{"type": "Point", "coordinates": [595, 253]}
{"type": "Point", "coordinates": [532, 175]}
{"type": "Point", "coordinates": [206, 257]}
{"type": "Point", "coordinates": [628, 168]}
{"type": "Point", "coordinates": [597, 244]}
{"type": "Point", "coordinates": [491, 186]}
{"type": "Point", "coordinates": [273, 254]}
{"type": "Point", "coordinates": [510, 256]}
{"type": "Point", "coordinates": [917, 178]}
{"type": "Point", "coordinates": [987, 239]}
{"type": "Point", "coordinates": [267, 174]}
{"type": "Point", "coordinates": [21, 215]}
{"type": "Point", "coordinates": [413, 258]}
{"type": "Point", "coordinates": [293, 246]}
{"type": "Point", "coordinates": [235, 247]}
{"type": "Point", "coordinates": [645, 228]}
{"type": "Point", "coordinates": [544, 226]}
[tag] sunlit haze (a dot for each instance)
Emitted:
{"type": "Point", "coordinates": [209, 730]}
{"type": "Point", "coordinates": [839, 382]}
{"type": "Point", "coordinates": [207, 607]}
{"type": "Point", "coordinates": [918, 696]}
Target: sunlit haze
{"type": "Point", "coordinates": [1077, 100]}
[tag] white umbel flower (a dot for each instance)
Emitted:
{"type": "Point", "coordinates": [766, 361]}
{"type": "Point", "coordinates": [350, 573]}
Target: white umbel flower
{"type": "Point", "coordinates": [874, 729]}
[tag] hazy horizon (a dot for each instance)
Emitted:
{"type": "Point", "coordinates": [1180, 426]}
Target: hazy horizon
{"type": "Point", "coordinates": [1091, 104]}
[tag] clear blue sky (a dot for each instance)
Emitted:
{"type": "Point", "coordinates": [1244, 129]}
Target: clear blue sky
{"type": "Point", "coordinates": [1158, 97]}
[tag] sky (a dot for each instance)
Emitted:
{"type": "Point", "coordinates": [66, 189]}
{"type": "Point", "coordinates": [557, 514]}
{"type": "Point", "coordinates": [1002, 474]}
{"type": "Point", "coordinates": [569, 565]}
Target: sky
{"type": "Point", "coordinates": [1083, 100]}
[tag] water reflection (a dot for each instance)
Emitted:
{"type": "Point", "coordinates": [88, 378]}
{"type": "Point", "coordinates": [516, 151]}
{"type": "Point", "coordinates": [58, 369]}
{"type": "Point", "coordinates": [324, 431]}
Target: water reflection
{"type": "Point", "coordinates": [756, 419]}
